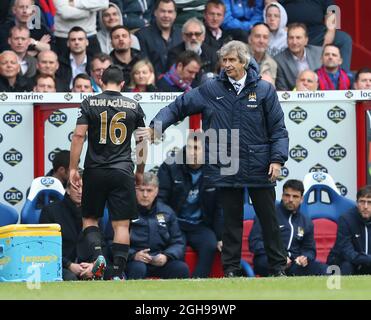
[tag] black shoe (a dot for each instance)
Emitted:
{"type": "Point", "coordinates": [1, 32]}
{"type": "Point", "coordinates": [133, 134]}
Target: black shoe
{"type": "Point", "coordinates": [279, 273]}
{"type": "Point", "coordinates": [234, 274]}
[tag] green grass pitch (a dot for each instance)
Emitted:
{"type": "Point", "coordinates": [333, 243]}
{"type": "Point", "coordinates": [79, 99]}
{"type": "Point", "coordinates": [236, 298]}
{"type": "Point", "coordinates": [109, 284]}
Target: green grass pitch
{"type": "Point", "coordinates": [211, 289]}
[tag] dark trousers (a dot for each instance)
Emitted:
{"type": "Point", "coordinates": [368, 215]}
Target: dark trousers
{"type": "Point", "coordinates": [348, 269]}
{"type": "Point", "coordinates": [203, 240]}
{"type": "Point", "coordinates": [173, 269]}
{"type": "Point", "coordinates": [263, 200]}
{"type": "Point", "coordinates": [313, 268]}
{"type": "Point", "coordinates": [68, 275]}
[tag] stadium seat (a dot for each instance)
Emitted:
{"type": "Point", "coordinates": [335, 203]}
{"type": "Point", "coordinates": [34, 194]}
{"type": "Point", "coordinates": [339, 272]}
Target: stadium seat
{"type": "Point", "coordinates": [191, 259]}
{"type": "Point", "coordinates": [324, 204]}
{"type": "Point", "coordinates": [44, 190]}
{"type": "Point", "coordinates": [322, 198]}
{"type": "Point", "coordinates": [246, 255]}
{"type": "Point", "coordinates": [325, 236]}
{"type": "Point", "coordinates": [248, 209]}
{"type": "Point", "coordinates": [217, 269]}
{"type": "Point", "coordinates": [248, 216]}
{"type": "Point", "coordinates": [8, 215]}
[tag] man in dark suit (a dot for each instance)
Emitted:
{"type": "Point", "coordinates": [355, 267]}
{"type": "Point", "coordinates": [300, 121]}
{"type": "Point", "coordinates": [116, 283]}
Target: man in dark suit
{"type": "Point", "coordinates": [77, 61]}
{"type": "Point", "coordinates": [67, 213]}
{"type": "Point", "coordinates": [299, 56]}
{"type": "Point", "coordinates": [158, 38]}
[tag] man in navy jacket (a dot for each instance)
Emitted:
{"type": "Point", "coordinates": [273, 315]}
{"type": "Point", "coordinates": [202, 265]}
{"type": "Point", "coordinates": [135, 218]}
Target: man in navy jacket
{"type": "Point", "coordinates": [247, 145]}
{"type": "Point", "coordinates": [156, 242]}
{"type": "Point", "coordinates": [351, 250]}
{"type": "Point", "coordinates": [196, 206]}
{"type": "Point", "coordinates": [297, 236]}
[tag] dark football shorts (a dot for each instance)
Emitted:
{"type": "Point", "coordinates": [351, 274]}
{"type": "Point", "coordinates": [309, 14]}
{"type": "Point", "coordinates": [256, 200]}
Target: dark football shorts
{"type": "Point", "coordinates": [111, 187]}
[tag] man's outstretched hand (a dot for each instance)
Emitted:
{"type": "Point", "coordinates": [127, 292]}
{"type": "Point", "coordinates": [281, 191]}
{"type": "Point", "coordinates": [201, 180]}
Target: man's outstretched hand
{"type": "Point", "coordinates": [75, 179]}
{"type": "Point", "coordinates": [144, 133]}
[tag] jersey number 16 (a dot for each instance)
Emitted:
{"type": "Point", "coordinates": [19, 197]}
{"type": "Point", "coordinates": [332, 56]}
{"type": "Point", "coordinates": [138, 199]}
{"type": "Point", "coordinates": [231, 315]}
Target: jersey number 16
{"type": "Point", "coordinates": [117, 130]}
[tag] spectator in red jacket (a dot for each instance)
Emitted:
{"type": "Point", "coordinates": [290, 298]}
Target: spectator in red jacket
{"type": "Point", "coordinates": [331, 76]}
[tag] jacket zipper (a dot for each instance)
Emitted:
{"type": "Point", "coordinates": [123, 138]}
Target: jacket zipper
{"type": "Point", "coordinates": [366, 240]}
{"type": "Point", "coordinates": [291, 235]}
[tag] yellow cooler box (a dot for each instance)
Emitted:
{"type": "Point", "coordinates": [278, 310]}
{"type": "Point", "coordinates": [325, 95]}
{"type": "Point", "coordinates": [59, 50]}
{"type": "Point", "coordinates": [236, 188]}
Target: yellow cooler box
{"type": "Point", "coordinates": [31, 252]}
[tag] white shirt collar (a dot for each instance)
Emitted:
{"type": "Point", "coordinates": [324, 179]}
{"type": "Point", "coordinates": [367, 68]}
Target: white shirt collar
{"type": "Point", "coordinates": [302, 59]}
{"type": "Point", "coordinates": [72, 59]}
{"type": "Point", "coordinates": [241, 82]}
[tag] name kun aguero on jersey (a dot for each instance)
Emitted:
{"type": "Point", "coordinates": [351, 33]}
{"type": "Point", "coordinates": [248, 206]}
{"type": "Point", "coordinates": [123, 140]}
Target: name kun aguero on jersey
{"type": "Point", "coordinates": [116, 103]}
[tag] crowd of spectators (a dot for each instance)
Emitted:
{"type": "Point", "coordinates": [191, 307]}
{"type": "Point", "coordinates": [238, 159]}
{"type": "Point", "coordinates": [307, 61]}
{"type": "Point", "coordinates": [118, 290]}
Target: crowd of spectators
{"type": "Point", "coordinates": [64, 38]}
{"type": "Point", "coordinates": [171, 46]}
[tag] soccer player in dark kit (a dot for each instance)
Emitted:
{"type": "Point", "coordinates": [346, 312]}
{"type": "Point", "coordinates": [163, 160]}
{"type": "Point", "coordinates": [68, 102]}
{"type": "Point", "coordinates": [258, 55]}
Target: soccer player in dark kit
{"type": "Point", "coordinates": [110, 120]}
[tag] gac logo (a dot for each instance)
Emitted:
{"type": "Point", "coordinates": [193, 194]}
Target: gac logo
{"type": "Point", "coordinates": [318, 168]}
{"type": "Point", "coordinates": [284, 174]}
{"type": "Point", "coordinates": [318, 176]}
{"type": "Point", "coordinates": [343, 189]}
{"type": "Point", "coordinates": [12, 157]}
{"type": "Point", "coordinates": [298, 115]}
{"type": "Point", "coordinates": [70, 136]}
{"type": "Point", "coordinates": [12, 118]}
{"type": "Point", "coordinates": [317, 134]}
{"type": "Point", "coordinates": [337, 152]}
{"type": "Point", "coordinates": [52, 154]}
{"type": "Point", "coordinates": [57, 118]}
{"type": "Point", "coordinates": [47, 181]}
{"type": "Point", "coordinates": [13, 196]}
{"type": "Point", "coordinates": [336, 114]}
{"type": "Point", "coordinates": [298, 153]}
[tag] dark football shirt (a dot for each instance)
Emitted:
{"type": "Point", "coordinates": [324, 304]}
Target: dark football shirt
{"type": "Point", "coordinates": [111, 119]}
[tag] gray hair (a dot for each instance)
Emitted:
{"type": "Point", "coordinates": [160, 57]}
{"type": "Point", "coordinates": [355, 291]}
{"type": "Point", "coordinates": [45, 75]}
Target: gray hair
{"type": "Point", "coordinates": [149, 178]}
{"type": "Point", "coordinates": [41, 53]}
{"type": "Point", "coordinates": [238, 47]}
{"type": "Point", "coordinates": [311, 71]}
{"type": "Point", "coordinates": [2, 54]}
{"type": "Point", "coordinates": [196, 21]}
